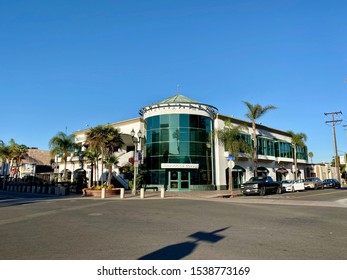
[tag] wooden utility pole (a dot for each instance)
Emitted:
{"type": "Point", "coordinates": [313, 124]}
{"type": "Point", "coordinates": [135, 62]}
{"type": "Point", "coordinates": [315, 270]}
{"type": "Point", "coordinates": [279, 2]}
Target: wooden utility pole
{"type": "Point", "coordinates": [333, 122]}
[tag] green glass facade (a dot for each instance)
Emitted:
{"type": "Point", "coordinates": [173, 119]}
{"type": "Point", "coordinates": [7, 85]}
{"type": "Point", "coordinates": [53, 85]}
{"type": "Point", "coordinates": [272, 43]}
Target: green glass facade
{"type": "Point", "coordinates": [179, 138]}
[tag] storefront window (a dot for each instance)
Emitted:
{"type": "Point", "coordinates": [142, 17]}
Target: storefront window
{"type": "Point", "coordinates": [179, 138]}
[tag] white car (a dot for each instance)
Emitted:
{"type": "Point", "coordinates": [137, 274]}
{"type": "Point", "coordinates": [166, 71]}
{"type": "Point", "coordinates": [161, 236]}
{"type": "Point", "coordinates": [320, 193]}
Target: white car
{"type": "Point", "coordinates": [293, 186]}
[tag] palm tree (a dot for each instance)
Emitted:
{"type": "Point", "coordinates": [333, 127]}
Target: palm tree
{"type": "Point", "coordinates": [92, 155]}
{"type": "Point", "coordinates": [298, 140]}
{"type": "Point", "coordinates": [255, 112]}
{"type": "Point", "coordinates": [110, 161]}
{"type": "Point", "coordinates": [5, 157]}
{"type": "Point", "coordinates": [229, 136]}
{"type": "Point", "coordinates": [18, 153]}
{"type": "Point", "coordinates": [63, 145]}
{"type": "Point", "coordinates": [107, 139]}
{"type": "Point", "coordinates": [310, 155]}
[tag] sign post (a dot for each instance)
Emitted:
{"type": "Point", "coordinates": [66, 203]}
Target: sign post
{"type": "Point", "coordinates": [231, 164]}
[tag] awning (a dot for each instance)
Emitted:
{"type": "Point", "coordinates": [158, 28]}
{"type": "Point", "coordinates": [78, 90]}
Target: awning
{"type": "Point", "coordinates": [262, 169]}
{"type": "Point", "coordinates": [282, 170]}
{"type": "Point", "coordinates": [238, 168]}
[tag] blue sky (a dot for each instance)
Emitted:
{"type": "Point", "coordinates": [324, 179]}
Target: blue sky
{"type": "Point", "coordinates": [65, 64]}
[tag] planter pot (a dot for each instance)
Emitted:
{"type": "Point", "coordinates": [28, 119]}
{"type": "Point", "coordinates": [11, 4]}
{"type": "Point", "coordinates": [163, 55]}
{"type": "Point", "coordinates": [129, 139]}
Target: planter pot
{"type": "Point", "coordinates": [97, 193]}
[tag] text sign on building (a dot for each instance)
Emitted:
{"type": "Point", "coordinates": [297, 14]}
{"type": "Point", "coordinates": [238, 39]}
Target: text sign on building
{"type": "Point", "coordinates": [180, 165]}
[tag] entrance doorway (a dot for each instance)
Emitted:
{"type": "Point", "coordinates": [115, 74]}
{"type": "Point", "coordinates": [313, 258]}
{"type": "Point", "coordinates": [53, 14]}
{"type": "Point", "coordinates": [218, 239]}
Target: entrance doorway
{"type": "Point", "coordinates": [179, 180]}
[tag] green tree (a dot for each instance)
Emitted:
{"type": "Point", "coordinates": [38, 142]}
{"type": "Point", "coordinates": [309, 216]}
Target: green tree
{"type": "Point", "coordinates": [255, 112]}
{"type": "Point", "coordinates": [298, 140]}
{"type": "Point", "coordinates": [110, 161]}
{"type": "Point", "coordinates": [107, 139]}
{"type": "Point", "coordinates": [62, 145]}
{"type": "Point", "coordinates": [17, 152]}
{"type": "Point", "coordinates": [92, 155]}
{"type": "Point", "coordinates": [234, 144]}
{"type": "Point", "coordinates": [5, 157]}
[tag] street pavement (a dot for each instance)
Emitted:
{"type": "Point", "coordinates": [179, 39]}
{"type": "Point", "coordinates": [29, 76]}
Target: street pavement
{"type": "Point", "coordinates": [191, 225]}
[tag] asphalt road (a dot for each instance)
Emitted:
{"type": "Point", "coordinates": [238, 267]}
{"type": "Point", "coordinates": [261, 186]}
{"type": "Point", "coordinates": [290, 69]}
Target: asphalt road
{"type": "Point", "coordinates": [310, 225]}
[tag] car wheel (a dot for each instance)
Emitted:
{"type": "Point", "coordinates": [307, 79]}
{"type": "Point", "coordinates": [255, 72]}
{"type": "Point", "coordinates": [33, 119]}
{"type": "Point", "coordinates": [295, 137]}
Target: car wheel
{"type": "Point", "coordinates": [262, 191]}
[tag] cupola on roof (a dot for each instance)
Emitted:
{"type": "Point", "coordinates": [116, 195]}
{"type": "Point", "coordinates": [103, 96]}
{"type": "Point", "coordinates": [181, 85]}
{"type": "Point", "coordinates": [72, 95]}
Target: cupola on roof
{"type": "Point", "coordinates": [179, 101]}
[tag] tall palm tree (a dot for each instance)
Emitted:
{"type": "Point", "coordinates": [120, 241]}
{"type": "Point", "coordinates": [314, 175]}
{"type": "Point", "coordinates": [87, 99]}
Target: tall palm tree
{"type": "Point", "coordinates": [229, 136]}
{"type": "Point", "coordinates": [298, 140]}
{"type": "Point", "coordinates": [255, 112]}
{"type": "Point", "coordinates": [107, 139]}
{"type": "Point", "coordinates": [92, 155]}
{"type": "Point", "coordinates": [5, 156]}
{"type": "Point", "coordinates": [110, 161]}
{"type": "Point", "coordinates": [18, 153]}
{"type": "Point", "coordinates": [63, 145]}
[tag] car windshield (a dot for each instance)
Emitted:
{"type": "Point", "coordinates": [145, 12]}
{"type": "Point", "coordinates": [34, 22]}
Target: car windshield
{"type": "Point", "coordinates": [287, 181]}
{"type": "Point", "coordinates": [311, 179]}
{"type": "Point", "coordinates": [256, 179]}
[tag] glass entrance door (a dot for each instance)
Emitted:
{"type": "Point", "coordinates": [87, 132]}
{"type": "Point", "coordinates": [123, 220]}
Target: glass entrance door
{"type": "Point", "coordinates": [179, 180]}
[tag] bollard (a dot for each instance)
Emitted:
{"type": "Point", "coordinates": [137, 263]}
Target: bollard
{"type": "Point", "coordinates": [103, 193]}
{"type": "Point", "coordinates": [142, 193]}
{"type": "Point", "coordinates": [122, 193]}
{"type": "Point", "coordinates": [162, 192]}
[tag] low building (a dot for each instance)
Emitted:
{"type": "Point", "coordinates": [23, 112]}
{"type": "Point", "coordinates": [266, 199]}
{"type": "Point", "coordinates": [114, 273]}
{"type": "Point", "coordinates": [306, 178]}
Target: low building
{"type": "Point", "coordinates": [179, 150]}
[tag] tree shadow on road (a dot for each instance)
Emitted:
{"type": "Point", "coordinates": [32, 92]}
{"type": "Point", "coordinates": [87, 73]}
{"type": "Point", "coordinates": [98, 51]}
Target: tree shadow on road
{"type": "Point", "coordinates": [181, 250]}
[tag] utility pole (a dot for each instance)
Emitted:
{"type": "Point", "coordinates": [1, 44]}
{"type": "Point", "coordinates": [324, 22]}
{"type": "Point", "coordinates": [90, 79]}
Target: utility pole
{"type": "Point", "coordinates": [333, 121]}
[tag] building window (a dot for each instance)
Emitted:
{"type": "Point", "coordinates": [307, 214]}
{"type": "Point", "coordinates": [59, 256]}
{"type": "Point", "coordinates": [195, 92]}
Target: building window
{"type": "Point", "coordinates": [179, 138]}
{"type": "Point", "coordinates": [265, 146]}
{"type": "Point", "coordinates": [284, 149]}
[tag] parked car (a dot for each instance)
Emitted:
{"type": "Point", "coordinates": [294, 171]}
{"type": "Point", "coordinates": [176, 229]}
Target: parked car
{"type": "Point", "coordinates": [261, 185]}
{"type": "Point", "coordinates": [293, 186]}
{"type": "Point", "coordinates": [331, 183]}
{"type": "Point", "coordinates": [313, 183]}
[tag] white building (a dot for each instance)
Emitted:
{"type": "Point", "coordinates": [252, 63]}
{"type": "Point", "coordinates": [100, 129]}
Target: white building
{"type": "Point", "coordinates": [179, 151]}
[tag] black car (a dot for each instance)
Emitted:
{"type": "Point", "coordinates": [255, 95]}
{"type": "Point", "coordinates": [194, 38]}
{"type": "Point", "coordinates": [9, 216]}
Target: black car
{"type": "Point", "coordinates": [331, 183]}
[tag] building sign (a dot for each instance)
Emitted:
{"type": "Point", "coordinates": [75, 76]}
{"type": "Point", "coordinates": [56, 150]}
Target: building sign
{"type": "Point", "coordinates": [28, 169]}
{"type": "Point", "coordinates": [180, 165]}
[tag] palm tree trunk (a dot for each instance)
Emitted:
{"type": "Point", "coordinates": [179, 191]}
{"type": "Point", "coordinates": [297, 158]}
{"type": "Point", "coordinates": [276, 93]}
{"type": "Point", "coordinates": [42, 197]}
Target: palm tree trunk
{"type": "Point", "coordinates": [255, 159]}
{"type": "Point", "coordinates": [102, 167]}
{"type": "Point", "coordinates": [295, 164]}
{"type": "Point", "coordinates": [109, 175]}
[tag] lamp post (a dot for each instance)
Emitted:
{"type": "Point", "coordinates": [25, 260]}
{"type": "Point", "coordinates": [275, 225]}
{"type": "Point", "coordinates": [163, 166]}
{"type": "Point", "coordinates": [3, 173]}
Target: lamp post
{"type": "Point", "coordinates": [136, 141]}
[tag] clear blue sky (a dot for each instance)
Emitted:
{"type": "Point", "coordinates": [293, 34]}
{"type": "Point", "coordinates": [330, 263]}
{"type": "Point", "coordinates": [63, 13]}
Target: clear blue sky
{"type": "Point", "coordinates": [68, 63]}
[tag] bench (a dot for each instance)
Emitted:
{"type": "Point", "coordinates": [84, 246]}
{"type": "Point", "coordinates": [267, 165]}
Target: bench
{"type": "Point", "coordinates": [151, 188]}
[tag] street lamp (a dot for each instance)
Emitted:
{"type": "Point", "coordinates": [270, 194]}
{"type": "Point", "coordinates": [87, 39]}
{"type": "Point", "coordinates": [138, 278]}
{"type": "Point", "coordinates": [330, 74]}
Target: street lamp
{"type": "Point", "coordinates": [136, 142]}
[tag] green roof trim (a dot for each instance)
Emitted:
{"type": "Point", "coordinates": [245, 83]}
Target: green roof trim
{"type": "Point", "coordinates": [178, 98]}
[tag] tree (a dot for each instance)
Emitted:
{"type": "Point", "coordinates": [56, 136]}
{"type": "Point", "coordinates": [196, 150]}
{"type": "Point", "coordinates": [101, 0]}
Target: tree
{"type": "Point", "coordinates": [107, 139]}
{"type": "Point", "coordinates": [92, 155]}
{"type": "Point", "coordinates": [110, 161]}
{"type": "Point", "coordinates": [255, 112]}
{"type": "Point", "coordinates": [310, 155]}
{"type": "Point", "coordinates": [230, 137]}
{"type": "Point", "coordinates": [63, 145]}
{"type": "Point", "coordinates": [17, 153]}
{"type": "Point", "coordinates": [298, 140]}
{"type": "Point", "coordinates": [5, 158]}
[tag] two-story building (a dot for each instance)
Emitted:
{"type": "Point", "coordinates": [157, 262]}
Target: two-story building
{"type": "Point", "coordinates": [179, 150]}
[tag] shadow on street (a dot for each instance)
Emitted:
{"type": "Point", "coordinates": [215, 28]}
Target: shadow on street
{"type": "Point", "coordinates": [181, 250]}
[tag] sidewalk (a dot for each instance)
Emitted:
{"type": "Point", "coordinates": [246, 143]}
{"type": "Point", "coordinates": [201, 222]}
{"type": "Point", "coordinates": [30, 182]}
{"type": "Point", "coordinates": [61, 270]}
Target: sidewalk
{"type": "Point", "coordinates": [180, 194]}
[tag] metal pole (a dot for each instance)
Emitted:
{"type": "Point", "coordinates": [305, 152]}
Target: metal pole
{"type": "Point", "coordinates": [337, 164]}
{"type": "Point", "coordinates": [333, 121]}
{"type": "Point", "coordinates": [135, 169]}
